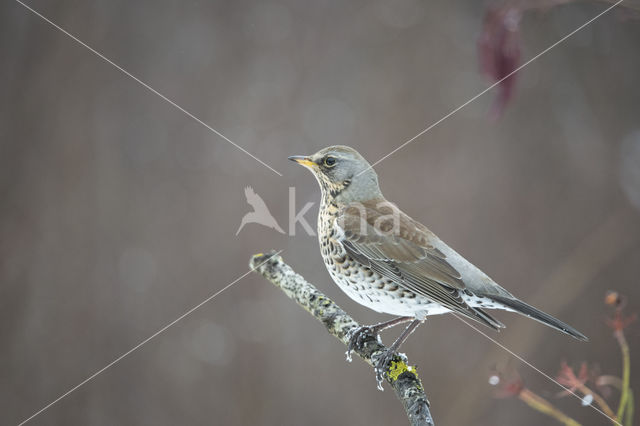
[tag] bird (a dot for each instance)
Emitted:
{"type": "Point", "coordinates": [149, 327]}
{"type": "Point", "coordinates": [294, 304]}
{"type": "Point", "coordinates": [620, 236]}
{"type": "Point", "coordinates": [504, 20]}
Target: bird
{"type": "Point", "coordinates": [391, 263]}
{"type": "Point", "coordinates": [260, 213]}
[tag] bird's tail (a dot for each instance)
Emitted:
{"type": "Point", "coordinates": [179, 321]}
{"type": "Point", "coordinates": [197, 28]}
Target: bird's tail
{"type": "Point", "coordinates": [531, 312]}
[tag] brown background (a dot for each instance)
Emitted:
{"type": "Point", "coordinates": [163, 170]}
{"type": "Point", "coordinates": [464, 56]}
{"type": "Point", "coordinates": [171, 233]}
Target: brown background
{"type": "Point", "coordinates": [118, 213]}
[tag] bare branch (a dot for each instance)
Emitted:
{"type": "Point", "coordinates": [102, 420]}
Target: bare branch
{"type": "Point", "coordinates": [402, 377]}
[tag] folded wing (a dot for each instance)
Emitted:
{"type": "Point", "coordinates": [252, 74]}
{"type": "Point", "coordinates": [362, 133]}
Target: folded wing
{"type": "Point", "coordinates": [388, 241]}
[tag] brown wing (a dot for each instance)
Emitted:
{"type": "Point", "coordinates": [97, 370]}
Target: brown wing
{"type": "Point", "coordinates": [382, 237]}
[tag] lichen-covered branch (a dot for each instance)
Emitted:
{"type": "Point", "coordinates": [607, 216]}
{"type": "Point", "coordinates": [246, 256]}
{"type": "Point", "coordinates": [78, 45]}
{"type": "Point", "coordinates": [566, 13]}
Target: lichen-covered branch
{"type": "Point", "coordinates": [402, 377]}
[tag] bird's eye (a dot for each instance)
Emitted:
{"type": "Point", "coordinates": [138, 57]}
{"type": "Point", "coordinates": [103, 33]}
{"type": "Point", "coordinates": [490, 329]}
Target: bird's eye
{"type": "Point", "coordinates": [330, 161]}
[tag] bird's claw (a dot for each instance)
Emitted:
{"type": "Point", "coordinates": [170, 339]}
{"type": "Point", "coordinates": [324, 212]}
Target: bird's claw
{"type": "Point", "coordinates": [357, 337]}
{"type": "Point", "coordinates": [381, 363]}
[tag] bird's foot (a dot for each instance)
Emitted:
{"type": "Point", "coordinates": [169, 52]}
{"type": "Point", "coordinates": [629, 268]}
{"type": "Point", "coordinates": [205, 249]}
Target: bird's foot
{"type": "Point", "coordinates": [358, 336]}
{"type": "Point", "coordinates": [381, 364]}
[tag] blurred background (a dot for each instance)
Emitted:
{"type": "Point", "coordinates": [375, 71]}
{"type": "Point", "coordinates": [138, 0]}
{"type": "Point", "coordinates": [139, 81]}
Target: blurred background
{"type": "Point", "coordinates": [118, 212]}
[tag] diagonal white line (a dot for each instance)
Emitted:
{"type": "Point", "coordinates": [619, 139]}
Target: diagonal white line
{"type": "Point", "coordinates": [534, 367]}
{"type": "Point", "coordinates": [145, 85]}
{"type": "Point", "coordinates": [493, 85]}
{"type": "Point", "coordinates": [139, 345]}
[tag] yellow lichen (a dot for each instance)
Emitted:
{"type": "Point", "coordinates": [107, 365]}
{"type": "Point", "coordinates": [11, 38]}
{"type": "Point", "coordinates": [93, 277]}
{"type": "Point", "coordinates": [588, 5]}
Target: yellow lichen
{"type": "Point", "coordinates": [396, 368]}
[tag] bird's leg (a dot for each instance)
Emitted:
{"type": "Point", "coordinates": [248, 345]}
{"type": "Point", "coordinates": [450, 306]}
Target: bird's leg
{"type": "Point", "coordinates": [386, 357]}
{"type": "Point", "coordinates": [358, 335]}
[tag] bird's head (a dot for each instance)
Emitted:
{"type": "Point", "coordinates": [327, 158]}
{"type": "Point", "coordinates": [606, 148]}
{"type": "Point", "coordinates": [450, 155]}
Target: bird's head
{"type": "Point", "coordinates": [342, 173]}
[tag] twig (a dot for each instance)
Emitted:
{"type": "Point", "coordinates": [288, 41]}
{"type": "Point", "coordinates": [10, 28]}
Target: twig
{"type": "Point", "coordinates": [402, 377]}
{"type": "Point", "coordinates": [629, 410]}
{"type": "Point", "coordinates": [538, 403]}
{"type": "Point", "coordinates": [626, 368]}
{"type": "Point", "coordinates": [600, 401]}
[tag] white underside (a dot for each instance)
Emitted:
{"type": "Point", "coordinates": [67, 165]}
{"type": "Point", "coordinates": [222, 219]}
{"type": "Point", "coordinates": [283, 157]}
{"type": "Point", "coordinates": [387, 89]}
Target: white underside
{"type": "Point", "coordinates": [365, 293]}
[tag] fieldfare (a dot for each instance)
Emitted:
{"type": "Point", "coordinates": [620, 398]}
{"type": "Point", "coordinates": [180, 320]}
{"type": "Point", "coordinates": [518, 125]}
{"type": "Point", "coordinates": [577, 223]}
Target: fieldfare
{"type": "Point", "coordinates": [391, 263]}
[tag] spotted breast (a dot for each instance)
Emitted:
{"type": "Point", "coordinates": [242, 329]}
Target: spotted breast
{"type": "Point", "coordinates": [358, 281]}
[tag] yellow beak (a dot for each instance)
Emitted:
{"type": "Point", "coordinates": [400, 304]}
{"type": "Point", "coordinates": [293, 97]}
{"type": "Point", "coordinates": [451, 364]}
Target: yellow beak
{"type": "Point", "coordinates": [301, 159]}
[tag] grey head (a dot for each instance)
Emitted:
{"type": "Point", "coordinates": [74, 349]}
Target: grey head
{"type": "Point", "coordinates": [342, 173]}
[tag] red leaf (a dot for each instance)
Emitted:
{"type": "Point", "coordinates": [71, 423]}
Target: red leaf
{"type": "Point", "coordinates": [499, 51]}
